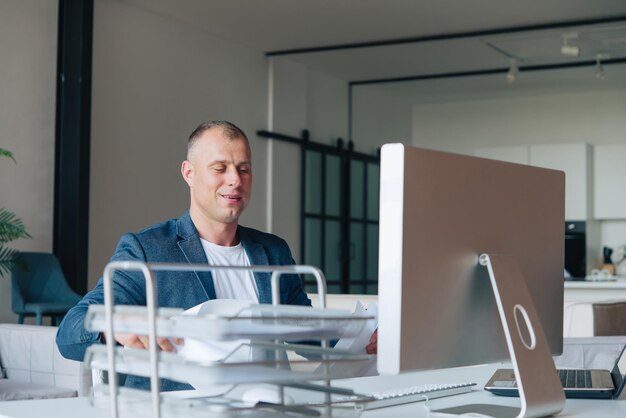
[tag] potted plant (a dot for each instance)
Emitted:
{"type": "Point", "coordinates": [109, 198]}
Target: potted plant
{"type": "Point", "coordinates": [11, 228]}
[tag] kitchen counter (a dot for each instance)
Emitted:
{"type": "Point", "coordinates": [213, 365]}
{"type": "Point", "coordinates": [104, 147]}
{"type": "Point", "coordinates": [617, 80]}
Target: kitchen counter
{"type": "Point", "coordinates": [579, 298]}
{"type": "Point", "coordinates": [591, 291]}
{"type": "Point", "coordinates": [620, 283]}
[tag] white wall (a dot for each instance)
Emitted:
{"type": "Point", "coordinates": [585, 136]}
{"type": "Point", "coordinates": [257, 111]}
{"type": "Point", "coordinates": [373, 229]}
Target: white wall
{"type": "Point", "coordinates": [28, 47]}
{"type": "Point", "coordinates": [592, 117]}
{"type": "Point", "coordinates": [288, 104]}
{"type": "Point", "coordinates": [307, 99]}
{"type": "Point", "coordinates": [378, 118]}
{"type": "Point", "coordinates": [327, 108]}
{"type": "Point", "coordinates": [595, 117]}
{"type": "Point", "coordinates": [613, 233]}
{"type": "Point", "coordinates": [299, 99]}
{"type": "Point", "coordinates": [154, 80]}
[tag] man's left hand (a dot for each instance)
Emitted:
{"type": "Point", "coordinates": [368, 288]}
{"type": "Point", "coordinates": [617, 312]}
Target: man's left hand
{"type": "Point", "coordinates": [372, 347]}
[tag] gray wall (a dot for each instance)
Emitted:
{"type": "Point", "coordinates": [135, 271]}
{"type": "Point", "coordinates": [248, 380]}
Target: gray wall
{"type": "Point", "coordinates": [379, 118]}
{"type": "Point", "coordinates": [28, 47]}
{"type": "Point", "coordinates": [154, 80]}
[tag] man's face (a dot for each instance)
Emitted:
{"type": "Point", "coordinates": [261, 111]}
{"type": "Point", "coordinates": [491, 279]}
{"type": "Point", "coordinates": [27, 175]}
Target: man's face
{"type": "Point", "coordinates": [219, 174]}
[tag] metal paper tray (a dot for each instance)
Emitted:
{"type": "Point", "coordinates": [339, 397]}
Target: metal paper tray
{"type": "Point", "coordinates": [135, 403]}
{"type": "Point", "coordinates": [258, 321]}
{"type": "Point", "coordinates": [318, 364]}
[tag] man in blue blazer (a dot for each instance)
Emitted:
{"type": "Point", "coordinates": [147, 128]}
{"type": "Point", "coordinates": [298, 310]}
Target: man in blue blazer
{"type": "Point", "coordinates": [218, 171]}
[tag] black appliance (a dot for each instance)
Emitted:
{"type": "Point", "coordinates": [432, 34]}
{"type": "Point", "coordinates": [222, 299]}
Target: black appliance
{"type": "Point", "coordinates": [576, 250]}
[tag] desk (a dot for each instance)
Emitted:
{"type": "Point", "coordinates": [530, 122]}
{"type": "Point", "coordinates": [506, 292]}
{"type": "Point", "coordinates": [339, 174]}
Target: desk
{"type": "Point", "coordinates": [80, 408]}
{"type": "Point", "coordinates": [480, 375]}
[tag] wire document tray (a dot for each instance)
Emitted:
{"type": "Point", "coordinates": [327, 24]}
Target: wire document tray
{"type": "Point", "coordinates": [260, 332]}
{"type": "Point", "coordinates": [288, 323]}
{"type": "Point", "coordinates": [137, 403]}
{"type": "Point", "coordinates": [271, 364]}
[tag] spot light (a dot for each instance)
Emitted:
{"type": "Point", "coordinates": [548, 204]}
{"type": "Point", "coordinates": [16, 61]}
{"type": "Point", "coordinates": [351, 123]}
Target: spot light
{"type": "Point", "coordinates": [511, 75]}
{"type": "Point", "coordinates": [598, 69]}
{"type": "Point", "coordinates": [567, 49]}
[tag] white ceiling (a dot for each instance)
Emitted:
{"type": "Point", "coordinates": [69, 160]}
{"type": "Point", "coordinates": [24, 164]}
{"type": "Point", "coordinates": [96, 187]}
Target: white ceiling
{"type": "Point", "coordinates": [495, 86]}
{"type": "Point", "coordinates": [275, 25]}
{"type": "Point", "coordinates": [271, 25]}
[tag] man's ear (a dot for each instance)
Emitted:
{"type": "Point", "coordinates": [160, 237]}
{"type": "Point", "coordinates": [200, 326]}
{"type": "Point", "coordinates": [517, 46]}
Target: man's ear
{"type": "Point", "coordinates": [186, 170]}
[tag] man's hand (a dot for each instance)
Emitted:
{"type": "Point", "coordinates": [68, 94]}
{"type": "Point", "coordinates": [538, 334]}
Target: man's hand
{"type": "Point", "coordinates": [372, 347]}
{"type": "Point", "coordinates": [141, 341]}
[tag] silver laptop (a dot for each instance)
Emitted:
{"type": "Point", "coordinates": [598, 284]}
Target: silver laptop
{"type": "Point", "coordinates": [577, 383]}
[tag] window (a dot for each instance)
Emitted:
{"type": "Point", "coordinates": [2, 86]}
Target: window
{"type": "Point", "coordinates": [339, 214]}
{"type": "Point", "coordinates": [340, 217]}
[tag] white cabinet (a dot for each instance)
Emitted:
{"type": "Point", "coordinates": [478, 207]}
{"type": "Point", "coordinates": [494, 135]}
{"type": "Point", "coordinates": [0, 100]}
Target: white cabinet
{"type": "Point", "coordinates": [609, 179]}
{"type": "Point", "coordinates": [579, 298]}
{"type": "Point", "coordinates": [576, 161]}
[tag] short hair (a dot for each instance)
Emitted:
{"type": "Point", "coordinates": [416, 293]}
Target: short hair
{"type": "Point", "coordinates": [229, 131]}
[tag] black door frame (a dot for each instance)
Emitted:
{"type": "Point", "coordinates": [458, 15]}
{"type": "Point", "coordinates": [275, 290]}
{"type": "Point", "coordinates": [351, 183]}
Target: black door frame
{"type": "Point", "coordinates": [72, 140]}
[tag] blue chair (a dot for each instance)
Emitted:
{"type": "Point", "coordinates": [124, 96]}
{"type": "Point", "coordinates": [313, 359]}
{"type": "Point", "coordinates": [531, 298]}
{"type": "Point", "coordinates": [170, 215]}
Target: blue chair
{"type": "Point", "coordinates": [40, 288]}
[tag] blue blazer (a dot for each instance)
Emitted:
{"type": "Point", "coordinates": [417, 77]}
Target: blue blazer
{"type": "Point", "coordinates": [175, 241]}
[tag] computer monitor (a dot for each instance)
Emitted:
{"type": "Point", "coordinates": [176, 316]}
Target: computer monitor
{"type": "Point", "coordinates": [438, 213]}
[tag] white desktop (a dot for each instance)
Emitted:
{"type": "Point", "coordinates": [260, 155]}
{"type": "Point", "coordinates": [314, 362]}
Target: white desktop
{"type": "Point", "coordinates": [80, 407]}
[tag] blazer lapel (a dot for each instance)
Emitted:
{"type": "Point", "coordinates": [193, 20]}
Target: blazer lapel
{"type": "Point", "coordinates": [258, 257]}
{"type": "Point", "coordinates": [194, 253]}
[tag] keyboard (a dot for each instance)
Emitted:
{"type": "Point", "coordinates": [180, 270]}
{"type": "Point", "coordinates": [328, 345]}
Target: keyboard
{"type": "Point", "coordinates": [571, 378]}
{"type": "Point", "coordinates": [411, 394]}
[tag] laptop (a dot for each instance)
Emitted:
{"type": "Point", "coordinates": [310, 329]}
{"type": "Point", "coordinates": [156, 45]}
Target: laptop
{"type": "Point", "coordinates": [577, 383]}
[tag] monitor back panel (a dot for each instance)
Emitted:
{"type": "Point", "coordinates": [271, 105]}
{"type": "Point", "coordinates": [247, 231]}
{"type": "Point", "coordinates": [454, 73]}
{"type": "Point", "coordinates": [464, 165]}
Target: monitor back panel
{"type": "Point", "coordinates": [438, 212]}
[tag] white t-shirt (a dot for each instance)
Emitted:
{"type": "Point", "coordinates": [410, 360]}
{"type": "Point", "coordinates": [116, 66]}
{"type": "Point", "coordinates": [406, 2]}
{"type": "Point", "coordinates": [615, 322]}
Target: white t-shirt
{"type": "Point", "coordinates": [231, 284]}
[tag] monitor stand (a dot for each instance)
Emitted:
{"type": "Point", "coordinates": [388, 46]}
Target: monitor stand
{"type": "Point", "coordinates": [540, 390]}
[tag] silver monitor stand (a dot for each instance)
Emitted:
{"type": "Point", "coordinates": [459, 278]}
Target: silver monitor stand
{"type": "Point", "coordinates": [540, 390]}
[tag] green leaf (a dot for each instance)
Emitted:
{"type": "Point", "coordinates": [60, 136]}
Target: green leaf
{"type": "Point", "coordinates": [8, 257]}
{"type": "Point", "coordinates": [7, 154]}
{"type": "Point", "coordinates": [11, 227]}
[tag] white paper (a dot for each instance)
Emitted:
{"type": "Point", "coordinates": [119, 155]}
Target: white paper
{"type": "Point", "coordinates": [590, 353]}
{"type": "Point", "coordinates": [210, 350]}
{"type": "Point", "coordinates": [306, 323]}
{"type": "Point", "coordinates": [358, 343]}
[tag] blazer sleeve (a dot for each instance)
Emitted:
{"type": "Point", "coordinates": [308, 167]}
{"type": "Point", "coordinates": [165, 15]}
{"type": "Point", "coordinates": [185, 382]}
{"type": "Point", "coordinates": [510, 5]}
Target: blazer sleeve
{"type": "Point", "coordinates": [295, 294]}
{"type": "Point", "coordinates": [128, 289]}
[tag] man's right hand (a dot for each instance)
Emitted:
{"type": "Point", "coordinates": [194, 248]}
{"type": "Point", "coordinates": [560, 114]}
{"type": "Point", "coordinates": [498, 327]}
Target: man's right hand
{"type": "Point", "coordinates": [141, 341]}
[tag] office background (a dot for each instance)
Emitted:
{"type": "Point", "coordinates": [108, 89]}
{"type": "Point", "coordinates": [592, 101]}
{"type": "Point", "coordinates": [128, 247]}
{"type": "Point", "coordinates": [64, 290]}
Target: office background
{"type": "Point", "coordinates": [159, 68]}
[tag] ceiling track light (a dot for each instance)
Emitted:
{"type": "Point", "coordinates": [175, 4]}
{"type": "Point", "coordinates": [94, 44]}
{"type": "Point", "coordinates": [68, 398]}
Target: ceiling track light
{"type": "Point", "coordinates": [598, 69]}
{"type": "Point", "coordinates": [511, 75]}
{"type": "Point", "coordinates": [567, 49]}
